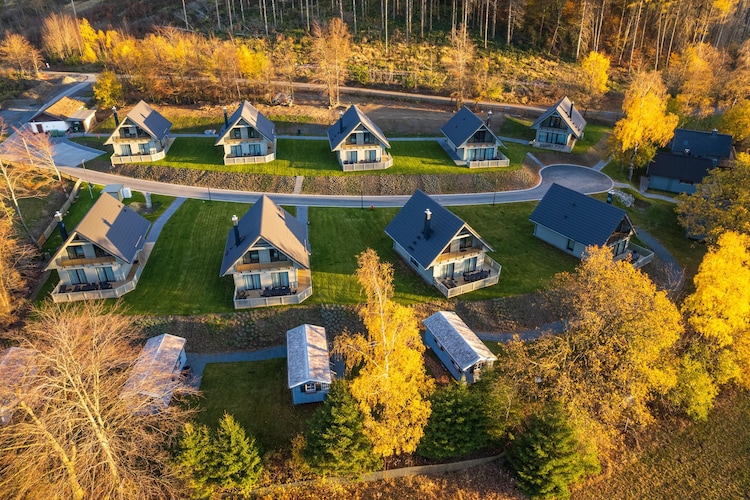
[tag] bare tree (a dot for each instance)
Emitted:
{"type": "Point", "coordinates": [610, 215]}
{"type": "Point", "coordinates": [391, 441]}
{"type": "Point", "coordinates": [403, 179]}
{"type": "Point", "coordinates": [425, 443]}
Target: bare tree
{"type": "Point", "coordinates": [26, 146]}
{"type": "Point", "coordinates": [15, 266]}
{"type": "Point", "coordinates": [458, 62]}
{"type": "Point", "coordinates": [19, 53]}
{"type": "Point", "coordinates": [73, 433]}
{"type": "Point", "coordinates": [331, 50]}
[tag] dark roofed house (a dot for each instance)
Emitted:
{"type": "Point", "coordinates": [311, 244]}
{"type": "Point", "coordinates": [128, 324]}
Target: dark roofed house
{"type": "Point", "coordinates": [713, 145]}
{"type": "Point", "coordinates": [677, 173]}
{"type": "Point", "coordinates": [66, 114]}
{"type": "Point", "coordinates": [444, 250]}
{"type": "Point", "coordinates": [308, 363]}
{"type": "Point", "coordinates": [559, 127]}
{"type": "Point", "coordinates": [358, 143]}
{"type": "Point", "coordinates": [470, 141]}
{"type": "Point", "coordinates": [572, 221]}
{"type": "Point", "coordinates": [103, 256]}
{"type": "Point", "coordinates": [268, 256]}
{"type": "Point", "coordinates": [247, 136]}
{"type": "Point", "coordinates": [143, 136]}
{"type": "Point", "coordinates": [457, 346]}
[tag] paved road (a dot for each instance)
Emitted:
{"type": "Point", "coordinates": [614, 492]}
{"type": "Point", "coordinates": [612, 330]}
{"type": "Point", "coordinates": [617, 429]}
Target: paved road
{"type": "Point", "coordinates": [581, 179]}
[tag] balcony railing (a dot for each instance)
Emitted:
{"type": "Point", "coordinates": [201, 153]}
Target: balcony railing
{"type": "Point", "coordinates": [638, 255]}
{"type": "Point", "coordinates": [462, 254]}
{"type": "Point", "coordinates": [386, 162]}
{"type": "Point", "coordinates": [139, 137]}
{"type": "Point", "coordinates": [240, 160]}
{"type": "Point", "coordinates": [497, 162]}
{"type": "Point", "coordinates": [84, 261]}
{"type": "Point", "coordinates": [457, 286]}
{"type": "Point", "coordinates": [139, 158]}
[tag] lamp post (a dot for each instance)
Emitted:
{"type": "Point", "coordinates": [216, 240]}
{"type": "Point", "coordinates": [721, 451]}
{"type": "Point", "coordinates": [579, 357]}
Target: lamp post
{"type": "Point", "coordinates": [489, 117]}
{"type": "Point", "coordinates": [86, 176]}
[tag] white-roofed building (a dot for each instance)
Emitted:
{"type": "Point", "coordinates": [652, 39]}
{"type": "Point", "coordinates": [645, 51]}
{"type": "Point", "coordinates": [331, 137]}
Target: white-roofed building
{"type": "Point", "coordinates": [457, 346]}
{"type": "Point", "coordinates": [16, 365]}
{"type": "Point", "coordinates": [156, 373]}
{"type": "Point", "coordinates": [308, 363]}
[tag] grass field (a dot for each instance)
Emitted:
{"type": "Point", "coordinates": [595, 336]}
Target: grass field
{"type": "Point", "coordinates": [257, 397]}
{"type": "Point", "coordinates": [592, 134]}
{"type": "Point", "coordinates": [314, 158]}
{"type": "Point", "coordinates": [182, 274]}
{"type": "Point", "coordinates": [707, 460]}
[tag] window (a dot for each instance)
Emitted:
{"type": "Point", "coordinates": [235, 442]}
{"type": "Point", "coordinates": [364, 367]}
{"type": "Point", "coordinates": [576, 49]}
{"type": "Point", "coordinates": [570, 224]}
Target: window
{"type": "Point", "coordinates": [236, 150]}
{"type": "Point", "coordinates": [75, 252]}
{"type": "Point", "coordinates": [143, 148]}
{"type": "Point", "coordinates": [252, 133]}
{"type": "Point", "coordinates": [310, 387]}
{"type": "Point", "coordinates": [372, 155]}
{"type": "Point", "coordinates": [470, 265]}
{"type": "Point", "coordinates": [105, 274]}
{"type": "Point", "coordinates": [571, 244]}
{"type": "Point", "coordinates": [237, 133]}
{"type": "Point", "coordinates": [77, 276]}
{"type": "Point", "coordinates": [277, 256]}
{"type": "Point", "coordinates": [367, 138]}
{"type": "Point", "coordinates": [448, 270]}
{"type": "Point", "coordinates": [251, 257]}
{"type": "Point", "coordinates": [280, 279]}
{"type": "Point", "coordinates": [323, 387]}
{"type": "Point", "coordinates": [465, 242]}
{"type": "Point", "coordinates": [252, 282]}
{"type": "Point", "coordinates": [554, 122]}
{"type": "Point", "coordinates": [125, 150]}
{"type": "Point", "coordinates": [413, 262]}
{"type": "Point", "coordinates": [683, 181]}
{"type": "Point", "coordinates": [480, 136]}
{"type": "Point", "coordinates": [254, 149]}
{"type": "Point", "coordinates": [351, 157]}
{"type": "Point", "coordinates": [352, 139]}
{"type": "Point", "coordinates": [99, 252]}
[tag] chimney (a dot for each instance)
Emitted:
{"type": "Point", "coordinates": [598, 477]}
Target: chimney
{"type": "Point", "coordinates": [427, 230]}
{"type": "Point", "coordinates": [61, 225]}
{"type": "Point", "coordinates": [237, 238]}
{"type": "Point", "coordinates": [114, 115]}
{"type": "Point", "coordinates": [714, 132]}
{"type": "Point", "coordinates": [341, 122]}
{"type": "Point", "coordinates": [570, 113]}
{"type": "Point", "coordinates": [489, 117]}
{"type": "Point", "coordinates": [226, 118]}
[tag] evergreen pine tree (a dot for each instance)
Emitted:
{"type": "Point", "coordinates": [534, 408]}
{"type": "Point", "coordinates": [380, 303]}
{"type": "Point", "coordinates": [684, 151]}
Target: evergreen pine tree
{"type": "Point", "coordinates": [193, 459]}
{"type": "Point", "coordinates": [235, 461]}
{"type": "Point", "coordinates": [336, 443]}
{"type": "Point", "coordinates": [547, 457]}
{"type": "Point", "coordinates": [457, 425]}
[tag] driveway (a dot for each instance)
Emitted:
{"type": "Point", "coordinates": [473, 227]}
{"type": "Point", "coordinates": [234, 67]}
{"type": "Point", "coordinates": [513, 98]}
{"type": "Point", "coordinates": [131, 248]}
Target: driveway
{"type": "Point", "coordinates": [581, 179]}
{"type": "Point", "coordinates": [71, 154]}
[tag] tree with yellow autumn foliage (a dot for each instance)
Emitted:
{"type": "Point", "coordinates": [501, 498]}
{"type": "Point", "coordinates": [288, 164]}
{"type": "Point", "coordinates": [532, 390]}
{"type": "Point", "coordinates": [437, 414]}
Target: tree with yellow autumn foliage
{"type": "Point", "coordinates": [391, 385]}
{"type": "Point", "coordinates": [646, 124]}
{"type": "Point", "coordinates": [331, 49]}
{"type": "Point", "coordinates": [593, 77]}
{"type": "Point", "coordinates": [719, 314]}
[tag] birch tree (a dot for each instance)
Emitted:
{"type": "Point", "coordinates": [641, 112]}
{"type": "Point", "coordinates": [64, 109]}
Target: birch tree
{"type": "Point", "coordinates": [391, 385]}
{"type": "Point", "coordinates": [330, 51]}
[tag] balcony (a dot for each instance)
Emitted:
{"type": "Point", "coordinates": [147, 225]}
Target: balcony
{"type": "Point", "coordinates": [84, 261]}
{"type": "Point", "coordinates": [638, 255]}
{"type": "Point", "coordinates": [386, 162]}
{"type": "Point", "coordinates": [95, 291]}
{"type": "Point", "coordinates": [280, 265]}
{"type": "Point", "coordinates": [140, 136]}
{"type": "Point", "coordinates": [240, 160]}
{"type": "Point", "coordinates": [139, 158]}
{"type": "Point", "coordinates": [462, 254]}
{"type": "Point", "coordinates": [487, 274]}
{"type": "Point", "coordinates": [496, 162]}
{"type": "Point", "coordinates": [298, 292]}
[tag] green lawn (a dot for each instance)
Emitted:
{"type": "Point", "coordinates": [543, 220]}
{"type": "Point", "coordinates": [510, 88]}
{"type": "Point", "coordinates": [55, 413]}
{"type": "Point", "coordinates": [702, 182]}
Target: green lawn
{"type": "Point", "coordinates": [180, 124]}
{"type": "Point", "coordinates": [592, 134]}
{"type": "Point", "coordinates": [314, 158]}
{"type": "Point", "coordinates": [182, 274]}
{"type": "Point", "coordinates": [257, 397]}
{"type": "Point", "coordinates": [518, 128]}
{"type": "Point", "coordinates": [528, 263]}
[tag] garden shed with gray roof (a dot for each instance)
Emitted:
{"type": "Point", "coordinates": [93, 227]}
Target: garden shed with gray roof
{"type": "Point", "coordinates": [458, 347]}
{"type": "Point", "coordinates": [308, 363]}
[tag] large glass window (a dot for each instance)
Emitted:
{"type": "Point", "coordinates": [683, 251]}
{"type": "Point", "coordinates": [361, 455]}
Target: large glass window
{"type": "Point", "coordinates": [470, 265]}
{"type": "Point", "coordinates": [143, 148]}
{"type": "Point", "coordinates": [236, 150]}
{"type": "Point", "coordinates": [236, 133]}
{"type": "Point", "coordinates": [351, 157]}
{"type": "Point", "coordinates": [125, 148]}
{"type": "Point", "coordinates": [254, 149]}
{"type": "Point", "coordinates": [277, 256]}
{"type": "Point", "coordinates": [251, 257]}
{"type": "Point", "coordinates": [252, 282]}
{"type": "Point", "coordinates": [105, 274]}
{"type": "Point", "coordinates": [280, 279]}
{"type": "Point", "coordinates": [372, 155]}
{"type": "Point", "coordinates": [77, 276]}
{"type": "Point", "coordinates": [368, 138]}
{"type": "Point", "coordinates": [75, 252]}
{"type": "Point", "coordinates": [252, 133]}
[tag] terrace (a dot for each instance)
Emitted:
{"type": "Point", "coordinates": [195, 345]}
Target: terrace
{"type": "Point", "coordinates": [102, 290]}
{"type": "Point", "coordinates": [487, 274]}
{"type": "Point", "coordinates": [294, 293]}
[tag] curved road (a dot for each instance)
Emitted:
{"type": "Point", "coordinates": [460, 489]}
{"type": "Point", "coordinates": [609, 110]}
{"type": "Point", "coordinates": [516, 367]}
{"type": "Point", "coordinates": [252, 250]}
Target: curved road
{"type": "Point", "coordinates": [581, 179]}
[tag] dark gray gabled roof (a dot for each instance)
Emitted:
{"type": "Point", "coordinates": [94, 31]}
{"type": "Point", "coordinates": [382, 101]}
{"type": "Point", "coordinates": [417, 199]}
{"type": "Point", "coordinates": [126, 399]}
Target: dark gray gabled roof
{"type": "Point", "coordinates": [569, 113]}
{"type": "Point", "coordinates": [113, 227]}
{"type": "Point", "coordinates": [681, 167]}
{"type": "Point", "coordinates": [699, 143]}
{"type": "Point", "coordinates": [268, 221]}
{"type": "Point", "coordinates": [407, 229]}
{"type": "Point", "coordinates": [146, 118]}
{"type": "Point", "coordinates": [253, 118]}
{"type": "Point", "coordinates": [349, 121]}
{"type": "Point", "coordinates": [577, 216]}
{"type": "Point", "coordinates": [463, 125]}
